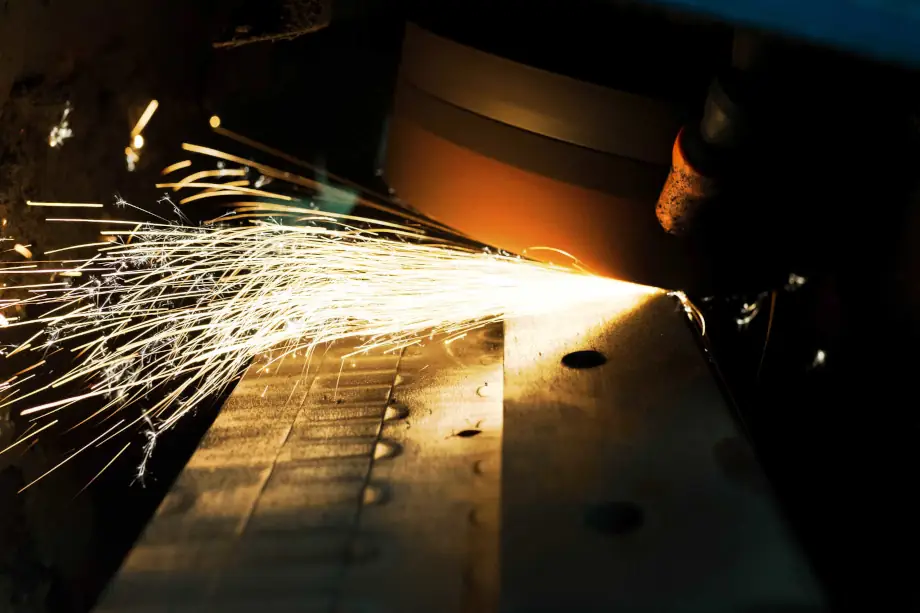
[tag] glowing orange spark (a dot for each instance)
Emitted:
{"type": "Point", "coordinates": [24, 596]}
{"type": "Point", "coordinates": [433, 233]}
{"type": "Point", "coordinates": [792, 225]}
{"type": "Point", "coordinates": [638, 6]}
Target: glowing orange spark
{"type": "Point", "coordinates": [23, 438]}
{"type": "Point", "coordinates": [104, 468]}
{"type": "Point", "coordinates": [176, 166]}
{"type": "Point", "coordinates": [144, 119]}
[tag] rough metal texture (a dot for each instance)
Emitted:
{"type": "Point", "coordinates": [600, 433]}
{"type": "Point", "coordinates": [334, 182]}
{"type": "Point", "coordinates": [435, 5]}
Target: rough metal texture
{"type": "Point", "coordinates": [364, 484]}
{"type": "Point", "coordinates": [684, 196]}
{"type": "Point", "coordinates": [627, 486]}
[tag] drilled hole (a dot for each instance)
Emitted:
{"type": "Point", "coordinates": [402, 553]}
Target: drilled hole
{"type": "Point", "coordinates": [584, 359]}
{"type": "Point", "coordinates": [469, 433]}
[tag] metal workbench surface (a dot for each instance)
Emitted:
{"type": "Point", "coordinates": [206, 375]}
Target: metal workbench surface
{"type": "Point", "coordinates": [427, 481]}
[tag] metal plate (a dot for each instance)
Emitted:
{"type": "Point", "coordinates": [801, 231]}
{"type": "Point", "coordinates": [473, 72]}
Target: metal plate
{"type": "Point", "coordinates": [379, 483]}
{"type": "Point", "coordinates": [336, 485]}
{"type": "Point", "coordinates": [627, 486]}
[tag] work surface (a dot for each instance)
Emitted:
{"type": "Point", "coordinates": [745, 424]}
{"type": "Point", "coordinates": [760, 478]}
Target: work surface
{"type": "Point", "coordinates": [496, 472]}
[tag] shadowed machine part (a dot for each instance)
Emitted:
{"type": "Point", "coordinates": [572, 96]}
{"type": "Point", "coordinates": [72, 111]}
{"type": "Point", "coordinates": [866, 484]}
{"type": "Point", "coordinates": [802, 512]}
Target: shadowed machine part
{"type": "Point", "coordinates": [580, 480]}
{"type": "Point", "coordinates": [521, 157]}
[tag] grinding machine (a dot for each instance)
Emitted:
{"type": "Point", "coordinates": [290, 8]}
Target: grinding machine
{"type": "Point", "coordinates": [590, 460]}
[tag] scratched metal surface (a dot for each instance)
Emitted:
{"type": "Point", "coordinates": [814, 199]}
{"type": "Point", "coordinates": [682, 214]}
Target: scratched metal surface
{"type": "Point", "coordinates": [369, 484]}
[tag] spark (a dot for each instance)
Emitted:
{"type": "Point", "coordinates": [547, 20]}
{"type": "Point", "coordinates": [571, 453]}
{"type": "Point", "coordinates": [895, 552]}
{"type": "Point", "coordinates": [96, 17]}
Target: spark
{"type": "Point", "coordinates": [18, 268]}
{"type": "Point", "coordinates": [176, 166]}
{"type": "Point", "coordinates": [23, 250]}
{"type": "Point", "coordinates": [144, 119]}
{"type": "Point", "coordinates": [750, 311]}
{"type": "Point", "coordinates": [819, 359]}
{"type": "Point", "coordinates": [151, 434]}
{"type": "Point", "coordinates": [332, 194]}
{"type": "Point", "coordinates": [62, 130]}
{"type": "Point", "coordinates": [192, 179]}
{"type": "Point", "coordinates": [138, 141]}
{"type": "Point", "coordinates": [168, 315]}
{"type": "Point", "coordinates": [131, 158]}
{"type": "Point", "coordinates": [27, 369]}
{"type": "Point", "coordinates": [693, 313]}
{"type": "Point", "coordinates": [236, 190]}
{"type": "Point", "coordinates": [122, 203]}
{"type": "Point", "coordinates": [77, 219]}
{"type": "Point", "coordinates": [67, 459]}
{"type": "Point", "coordinates": [794, 282]}
{"type": "Point", "coordinates": [24, 438]}
{"type": "Point", "coordinates": [319, 171]}
{"type": "Point", "coordinates": [83, 246]}
{"type": "Point", "coordinates": [104, 468]}
{"type": "Point", "coordinates": [85, 205]}
{"type": "Point", "coordinates": [193, 306]}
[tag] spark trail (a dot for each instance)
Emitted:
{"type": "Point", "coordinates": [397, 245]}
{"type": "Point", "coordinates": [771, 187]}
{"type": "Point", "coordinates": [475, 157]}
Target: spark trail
{"type": "Point", "coordinates": [169, 315]}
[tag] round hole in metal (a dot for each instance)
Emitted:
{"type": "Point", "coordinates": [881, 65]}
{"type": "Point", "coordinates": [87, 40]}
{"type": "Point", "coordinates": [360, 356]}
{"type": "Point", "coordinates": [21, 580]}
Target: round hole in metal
{"type": "Point", "coordinates": [469, 433]}
{"type": "Point", "coordinates": [584, 359]}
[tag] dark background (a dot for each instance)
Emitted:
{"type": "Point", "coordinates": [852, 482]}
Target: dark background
{"type": "Point", "coordinates": [831, 201]}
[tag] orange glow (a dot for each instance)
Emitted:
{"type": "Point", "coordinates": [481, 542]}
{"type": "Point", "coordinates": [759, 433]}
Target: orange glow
{"type": "Point", "coordinates": [518, 210]}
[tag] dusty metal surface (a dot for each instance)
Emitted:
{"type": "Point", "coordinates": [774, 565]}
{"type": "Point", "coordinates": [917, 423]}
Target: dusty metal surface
{"type": "Point", "coordinates": [369, 484]}
{"type": "Point", "coordinates": [627, 486]}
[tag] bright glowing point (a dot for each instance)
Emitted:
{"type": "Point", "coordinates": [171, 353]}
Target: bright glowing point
{"type": "Point", "coordinates": [214, 121]}
{"type": "Point", "coordinates": [131, 158]}
{"type": "Point", "coordinates": [820, 358]}
{"type": "Point", "coordinates": [138, 141]}
{"type": "Point", "coordinates": [62, 131]}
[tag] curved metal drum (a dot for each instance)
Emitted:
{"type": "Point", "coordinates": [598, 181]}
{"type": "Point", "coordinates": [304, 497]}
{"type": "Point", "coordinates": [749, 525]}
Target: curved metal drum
{"type": "Point", "coordinates": [519, 157]}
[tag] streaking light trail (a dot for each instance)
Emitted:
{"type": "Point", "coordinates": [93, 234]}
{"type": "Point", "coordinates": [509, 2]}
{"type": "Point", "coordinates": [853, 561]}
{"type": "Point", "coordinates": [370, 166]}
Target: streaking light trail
{"type": "Point", "coordinates": [169, 315]}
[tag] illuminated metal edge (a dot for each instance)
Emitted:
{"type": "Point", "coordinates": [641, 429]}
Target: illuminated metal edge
{"type": "Point", "coordinates": [548, 104]}
{"type": "Point", "coordinates": [336, 487]}
{"type": "Point", "coordinates": [628, 486]}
